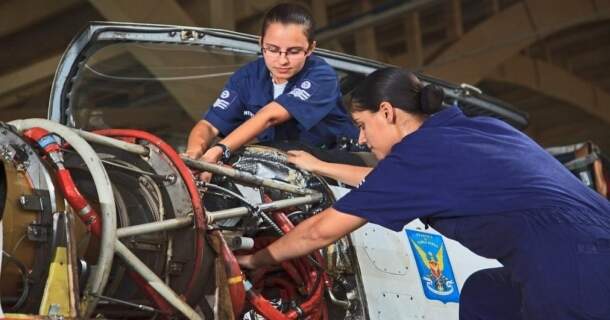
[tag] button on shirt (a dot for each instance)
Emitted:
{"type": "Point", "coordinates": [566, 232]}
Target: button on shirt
{"type": "Point", "coordinates": [312, 97]}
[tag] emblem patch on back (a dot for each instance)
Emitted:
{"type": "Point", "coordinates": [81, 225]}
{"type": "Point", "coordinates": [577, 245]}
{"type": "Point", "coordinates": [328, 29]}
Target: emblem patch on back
{"type": "Point", "coordinates": [434, 266]}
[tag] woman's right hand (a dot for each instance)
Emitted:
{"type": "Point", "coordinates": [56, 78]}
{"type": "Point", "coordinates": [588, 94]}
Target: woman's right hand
{"type": "Point", "coordinates": [304, 160]}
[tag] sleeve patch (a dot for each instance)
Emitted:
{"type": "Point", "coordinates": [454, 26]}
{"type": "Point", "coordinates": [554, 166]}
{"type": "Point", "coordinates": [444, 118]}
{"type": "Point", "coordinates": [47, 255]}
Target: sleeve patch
{"type": "Point", "coordinates": [303, 90]}
{"type": "Point", "coordinates": [226, 98]}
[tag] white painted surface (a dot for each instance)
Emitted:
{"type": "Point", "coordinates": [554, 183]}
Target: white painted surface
{"type": "Point", "coordinates": [389, 274]}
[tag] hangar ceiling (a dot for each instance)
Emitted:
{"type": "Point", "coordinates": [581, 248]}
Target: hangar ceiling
{"type": "Point", "coordinates": [550, 58]}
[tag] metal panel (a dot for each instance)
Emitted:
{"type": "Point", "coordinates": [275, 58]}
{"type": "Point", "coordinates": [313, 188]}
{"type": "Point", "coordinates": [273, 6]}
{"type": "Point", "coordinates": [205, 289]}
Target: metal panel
{"type": "Point", "coordinates": [389, 276]}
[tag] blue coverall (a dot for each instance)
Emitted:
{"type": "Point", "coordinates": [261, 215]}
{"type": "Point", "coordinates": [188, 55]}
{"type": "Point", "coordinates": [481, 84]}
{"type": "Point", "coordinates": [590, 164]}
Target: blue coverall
{"type": "Point", "coordinates": [312, 97]}
{"type": "Point", "coordinates": [490, 187]}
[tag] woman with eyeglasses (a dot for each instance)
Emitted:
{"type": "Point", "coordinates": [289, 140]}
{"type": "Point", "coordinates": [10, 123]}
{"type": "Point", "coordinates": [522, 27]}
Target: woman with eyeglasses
{"type": "Point", "coordinates": [478, 181]}
{"type": "Point", "coordinates": [288, 94]}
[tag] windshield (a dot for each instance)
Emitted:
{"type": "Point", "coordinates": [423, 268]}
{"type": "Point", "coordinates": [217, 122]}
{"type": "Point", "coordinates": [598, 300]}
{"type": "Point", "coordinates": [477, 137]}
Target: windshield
{"type": "Point", "coordinates": [154, 87]}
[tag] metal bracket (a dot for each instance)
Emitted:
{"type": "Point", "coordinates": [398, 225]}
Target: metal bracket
{"type": "Point", "coordinates": [38, 232]}
{"type": "Point", "coordinates": [31, 202]}
{"type": "Point", "coordinates": [469, 89]}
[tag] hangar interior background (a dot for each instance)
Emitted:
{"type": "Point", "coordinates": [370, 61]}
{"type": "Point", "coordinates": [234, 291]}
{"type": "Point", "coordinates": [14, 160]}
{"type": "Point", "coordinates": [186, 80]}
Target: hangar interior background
{"type": "Point", "coordinates": [549, 58]}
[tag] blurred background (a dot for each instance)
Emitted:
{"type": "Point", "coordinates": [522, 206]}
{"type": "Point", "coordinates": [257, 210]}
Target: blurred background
{"type": "Point", "coordinates": [548, 58]}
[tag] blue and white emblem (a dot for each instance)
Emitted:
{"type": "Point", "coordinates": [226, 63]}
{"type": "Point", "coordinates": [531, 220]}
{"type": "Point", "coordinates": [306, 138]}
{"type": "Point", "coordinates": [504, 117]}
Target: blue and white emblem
{"type": "Point", "coordinates": [224, 101]}
{"type": "Point", "coordinates": [303, 91]}
{"type": "Point", "coordinates": [434, 266]}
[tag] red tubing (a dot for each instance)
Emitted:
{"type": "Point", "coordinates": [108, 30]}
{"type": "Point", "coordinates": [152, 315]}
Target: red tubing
{"type": "Point", "coordinates": [301, 273]}
{"type": "Point", "coordinates": [264, 307]}
{"type": "Point", "coordinates": [51, 146]}
{"type": "Point", "coordinates": [163, 305]}
{"type": "Point", "coordinates": [189, 181]}
{"type": "Point", "coordinates": [85, 212]}
{"type": "Point", "coordinates": [285, 284]}
{"type": "Point", "coordinates": [235, 279]}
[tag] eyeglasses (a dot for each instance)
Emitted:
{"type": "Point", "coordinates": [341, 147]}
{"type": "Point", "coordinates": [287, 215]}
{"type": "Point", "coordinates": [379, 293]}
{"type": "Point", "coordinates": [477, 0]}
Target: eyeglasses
{"type": "Point", "coordinates": [275, 52]}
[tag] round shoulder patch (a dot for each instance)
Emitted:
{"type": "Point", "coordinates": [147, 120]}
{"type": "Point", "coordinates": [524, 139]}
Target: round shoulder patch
{"type": "Point", "coordinates": [225, 94]}
{"type": "Point", "coordinates": [306, 84]}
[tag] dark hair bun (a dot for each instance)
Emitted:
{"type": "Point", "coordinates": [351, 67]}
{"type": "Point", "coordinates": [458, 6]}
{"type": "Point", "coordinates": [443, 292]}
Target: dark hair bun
{"type": "Point", "coordinates": [431, 99]}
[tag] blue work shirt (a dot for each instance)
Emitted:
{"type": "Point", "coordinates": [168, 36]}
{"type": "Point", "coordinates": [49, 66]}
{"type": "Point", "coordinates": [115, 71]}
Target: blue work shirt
{"type": "Point", "coordinates": [494, 190]}
{"type": "Point", "coordinates": [456, 166]}
{"type": "Point", "coordinates": [312, 97]}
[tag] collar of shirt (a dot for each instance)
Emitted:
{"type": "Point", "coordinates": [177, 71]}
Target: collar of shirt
{"type": "Point", "coordinates": [440, 118]}
{"type": "Point", "coordinates": [309, 62]}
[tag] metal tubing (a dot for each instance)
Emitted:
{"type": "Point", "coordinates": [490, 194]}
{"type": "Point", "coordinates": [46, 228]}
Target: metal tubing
{"type": "Point", "coordinates": [112, 142]}
{"type": "Point", "coordinates": [245, 176]}
{"type": "Point", "coordinates": [154, 281]}
{"type": "Point", "coordinates": [214, 216]}
{"type": "Point", "coordinates": [151, 227]}
{"type": "Point", "coordinates": [336, 301]}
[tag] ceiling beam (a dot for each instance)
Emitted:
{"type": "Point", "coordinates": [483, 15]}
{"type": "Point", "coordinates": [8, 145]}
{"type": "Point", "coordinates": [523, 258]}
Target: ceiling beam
{"type": "Point", "coordinates": [143, 11]}
{"type": "Point", "coordinates": [44, 39]}
{"type": "Point", "coordinates": [371, 19]}
{"type": "Point", "coordinates": [511, 30]}
{"type": "Point", "coordinates": [20, 14]}
{"type": "Point", "coordinates": [25, 76]}
{"type": "Point", "coordinates": [555, 82]}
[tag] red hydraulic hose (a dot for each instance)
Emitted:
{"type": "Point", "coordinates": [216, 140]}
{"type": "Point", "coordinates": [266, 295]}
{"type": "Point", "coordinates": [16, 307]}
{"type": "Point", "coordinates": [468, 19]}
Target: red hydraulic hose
{"type": "Point", "coordinates": [285, 284]}
{"type": "Point", "coordinates": [264, 307]}
{"type": "Point", "coordinates": [159, 301]}
{"type": "Point", "coordinates": [50, 144]}
{"type": "Point", "coordinates": [189, 181]}
{"type": "Point", "coordinates": [85, 212]}
{"type": "Point", "coordinates": [314, 307]}
{"type": "Point", "coordinates": [234, 277]}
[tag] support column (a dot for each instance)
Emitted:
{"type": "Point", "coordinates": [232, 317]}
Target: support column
{"type": "Point", "coordinates": [455, 29]}
{"type": "Point", "coordinates": [495, 6]}
{"type": "Point", "coordinates": [318, 10]}
{"type": "Point", "coordinates": [414, 40]}
{"type": "Point", "coordinates": [320, 15]}
{"type": "Point", "coordinates": [366, 43]}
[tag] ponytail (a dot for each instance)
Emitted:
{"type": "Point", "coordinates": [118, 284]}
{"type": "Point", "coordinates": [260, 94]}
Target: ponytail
{"type": "Point", "coordinates": [400, 88]}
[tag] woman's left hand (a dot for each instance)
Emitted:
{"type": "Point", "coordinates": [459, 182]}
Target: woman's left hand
{"type": "Point", "coordinates": [304, 160]}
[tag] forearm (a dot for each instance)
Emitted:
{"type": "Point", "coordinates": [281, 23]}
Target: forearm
{"type": "Point", "coordinates": [314, 233]}
{"type": "Point", "coordinates": [296, 243]}
{"type": "Point", "coordinates": [200, 138]}
{"type": "Point", "coordinates": [348, 174]}
{"type": "Point", "coordinates": [270, 115]}
{"type": "Point", "coordinates": [245, 133]}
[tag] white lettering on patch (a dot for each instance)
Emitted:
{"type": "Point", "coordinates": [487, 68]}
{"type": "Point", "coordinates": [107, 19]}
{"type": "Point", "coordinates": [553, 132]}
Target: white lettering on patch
{"type": "Point", "coordinates": [300, 93]}
{"type": "Point", "coordinates": [248, 113]}
{"type": "Point", "coordinates": [220, 103]}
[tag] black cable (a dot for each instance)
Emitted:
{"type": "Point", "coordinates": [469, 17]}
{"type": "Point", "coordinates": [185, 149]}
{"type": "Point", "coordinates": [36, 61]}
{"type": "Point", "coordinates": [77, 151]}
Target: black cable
{"type": "Point", "coordinates": [24, 277]}
{"type": "Point", "coordinates": [255, 209]}
{"type": "Point", "coordinates": [140, 307]}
